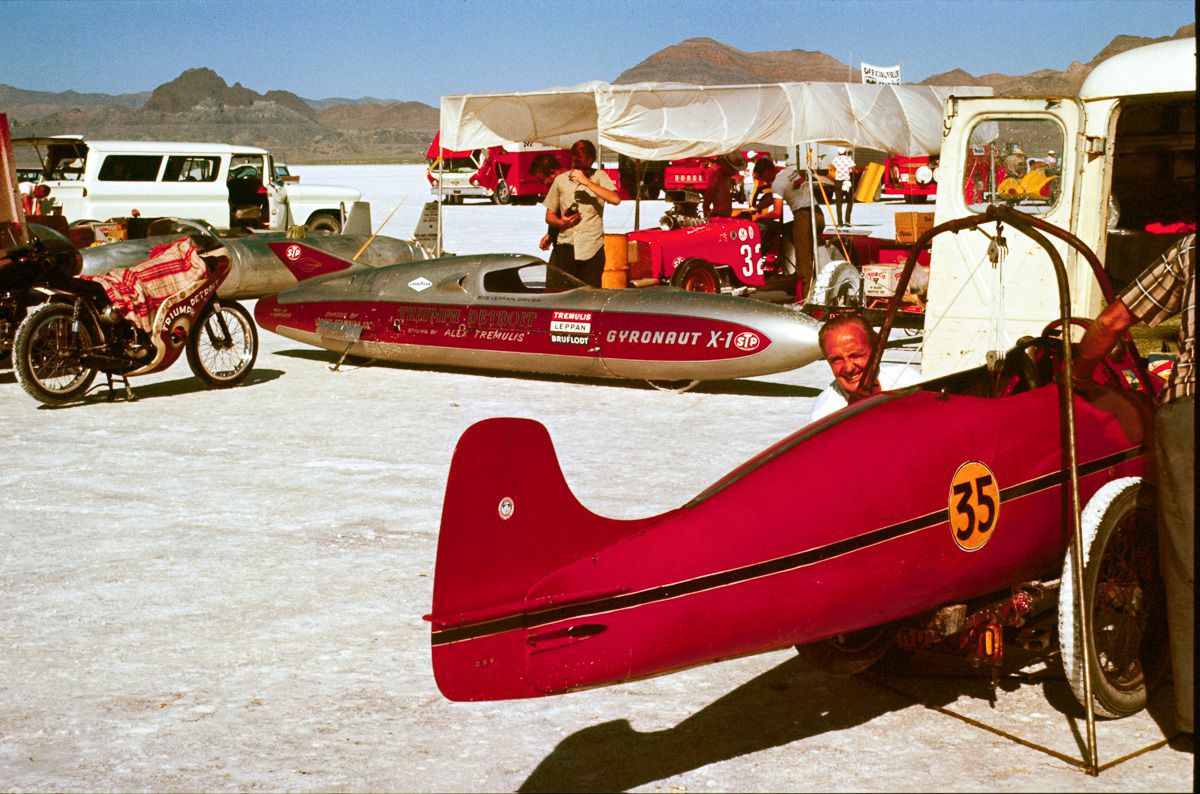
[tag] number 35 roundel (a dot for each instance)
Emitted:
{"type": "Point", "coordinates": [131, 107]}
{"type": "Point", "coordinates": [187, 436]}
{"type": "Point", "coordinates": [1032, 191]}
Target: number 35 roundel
{"type": "Point", "coordinates": [974, 505]}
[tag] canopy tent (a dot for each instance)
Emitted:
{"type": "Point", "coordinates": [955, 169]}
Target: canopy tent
{"type": "Point", "coordinates": [433, 153]}
{"type": "Point", "coordinates": [659, 121]}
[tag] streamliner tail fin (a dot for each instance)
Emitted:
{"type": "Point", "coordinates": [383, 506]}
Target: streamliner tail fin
{"type": "Point", "coordinates": [509, 519]}
{"type": "Point", "coordinates": [306, 262]}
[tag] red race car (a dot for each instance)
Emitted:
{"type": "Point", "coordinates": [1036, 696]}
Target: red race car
{"type": "Point", "coordinates": [962, 539]}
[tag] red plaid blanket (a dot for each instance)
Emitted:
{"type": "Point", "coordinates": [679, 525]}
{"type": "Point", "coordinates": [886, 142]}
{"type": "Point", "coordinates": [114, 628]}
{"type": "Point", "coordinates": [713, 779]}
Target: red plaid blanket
{"type": "Point", "coordinates": [138, 290]}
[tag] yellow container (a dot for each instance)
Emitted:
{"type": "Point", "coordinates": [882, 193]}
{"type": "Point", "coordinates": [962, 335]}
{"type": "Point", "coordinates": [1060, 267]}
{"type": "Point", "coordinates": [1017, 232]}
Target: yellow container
{"type": "Point", "coordinates": [868, 183]}
{"type": "Point", "coordinates": [616, 262]}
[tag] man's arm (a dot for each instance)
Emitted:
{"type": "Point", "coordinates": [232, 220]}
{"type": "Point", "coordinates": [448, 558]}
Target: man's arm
{"type": "Point", "coordinates": [1100, 337]}
{"type": "Point", "coordinates": [771, 213]}
{"type": "Point", "coordinates": [606, 195]}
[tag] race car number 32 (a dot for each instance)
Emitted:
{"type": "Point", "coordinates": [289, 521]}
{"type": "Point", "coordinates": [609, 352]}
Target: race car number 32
{"type": "Point", "coordinates": [974, 505]}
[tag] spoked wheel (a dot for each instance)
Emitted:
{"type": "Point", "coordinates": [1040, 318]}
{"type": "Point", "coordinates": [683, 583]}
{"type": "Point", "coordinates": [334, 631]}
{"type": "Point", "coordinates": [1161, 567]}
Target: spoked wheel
{"type": "Point", "coordinates": [696, 275]}
{"type": "Point", "coordinates": [48, 355]}
{"type": "Point", "coordinates": [503, 193]}
{"type": "Point", "coordinates": [851, 653]}
{"type": "Point", "coordinates": [223, 345]}
{"type": "Point", "coordinates": [1126, 600]}
{"type": "Point", "coordinates": [845, 287]}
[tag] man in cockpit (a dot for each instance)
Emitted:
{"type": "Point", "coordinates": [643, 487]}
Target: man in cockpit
{"type": "Point", "coordinates": [847, 340]}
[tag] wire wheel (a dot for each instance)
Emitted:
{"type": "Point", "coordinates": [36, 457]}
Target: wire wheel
{"type": "Point", "coordinates": [223, 345]}
{"type": "Point", "coordinates": [48, 355]}
{"type": "Point", "coordinates": [1127, 602]}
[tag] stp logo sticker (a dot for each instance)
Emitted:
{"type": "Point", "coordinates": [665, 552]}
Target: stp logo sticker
{"type": "Point", "coordinates": [747, 340]}
{"type": "Point", "coordinates": [506, 508]}
{"type": "Point", "coordinates": [974, 505]}
{"type": "Point", "coordinates": [293, 252]}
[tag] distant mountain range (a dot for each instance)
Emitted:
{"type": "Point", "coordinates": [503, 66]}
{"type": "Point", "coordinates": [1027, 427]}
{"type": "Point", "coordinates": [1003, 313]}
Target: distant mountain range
{"type": "Point", "coordinates": [200, 106]}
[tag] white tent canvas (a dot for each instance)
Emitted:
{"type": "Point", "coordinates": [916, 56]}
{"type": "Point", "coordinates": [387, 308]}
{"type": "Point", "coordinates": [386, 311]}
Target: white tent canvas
{"type": "Point", "coordinates": [658, 121]}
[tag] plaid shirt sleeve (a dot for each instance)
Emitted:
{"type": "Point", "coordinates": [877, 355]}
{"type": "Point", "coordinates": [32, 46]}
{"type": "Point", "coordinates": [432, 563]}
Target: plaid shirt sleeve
{"type": "Point", "coordinates": [1157, 293]}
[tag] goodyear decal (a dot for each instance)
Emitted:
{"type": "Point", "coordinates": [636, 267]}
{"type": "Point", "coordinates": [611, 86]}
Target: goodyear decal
{"type": "Point", "coordinates": [570, 328]}
{"type": "Point", "coordinates": [974, 505]}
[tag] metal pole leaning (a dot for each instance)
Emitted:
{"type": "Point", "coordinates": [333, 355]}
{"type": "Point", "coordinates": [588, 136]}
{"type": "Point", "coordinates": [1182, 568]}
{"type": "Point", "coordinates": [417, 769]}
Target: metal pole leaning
{"type": "Point", "coordinates": [1027, 225]}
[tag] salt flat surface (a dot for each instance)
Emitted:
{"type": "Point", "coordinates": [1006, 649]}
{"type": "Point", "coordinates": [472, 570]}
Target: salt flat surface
{"type": "Point", "coordinates": [223, 590]}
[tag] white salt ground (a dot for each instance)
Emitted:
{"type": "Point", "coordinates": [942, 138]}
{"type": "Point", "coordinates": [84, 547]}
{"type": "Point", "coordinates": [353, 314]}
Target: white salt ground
{"type": "Point", "coordinates": [223, 590]}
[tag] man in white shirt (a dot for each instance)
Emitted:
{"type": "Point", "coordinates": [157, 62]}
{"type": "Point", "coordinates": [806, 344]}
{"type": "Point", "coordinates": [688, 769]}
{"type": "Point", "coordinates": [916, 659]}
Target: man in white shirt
{"type": "Point", "coordinates": [847, 342]}
{"type": "Point", "coordinates": [843, 185]}
{"type": "Point", "coordinates": [791, 187]}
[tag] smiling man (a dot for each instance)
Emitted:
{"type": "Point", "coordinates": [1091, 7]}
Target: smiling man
{"type": "Point", "coordinates": [847, 341]}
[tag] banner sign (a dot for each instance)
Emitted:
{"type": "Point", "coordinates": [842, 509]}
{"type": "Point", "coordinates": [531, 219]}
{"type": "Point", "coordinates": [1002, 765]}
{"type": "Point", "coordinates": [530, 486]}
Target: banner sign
{"type": "Point", "coordinates": [886, 75]}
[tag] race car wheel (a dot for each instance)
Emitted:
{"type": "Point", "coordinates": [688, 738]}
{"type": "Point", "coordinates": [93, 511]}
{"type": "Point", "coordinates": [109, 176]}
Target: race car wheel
{"type": "Point", "coordinates": [696, 275]}
{"type": "Point", "coordinates": [1126, 600]}
{"type": "Point", "coordinates": [223, 344]}
{"type": "Point", "coordinates": [849, 654]}
{"type": "Point", "coordinates": [503, 193]}
{"type": "Point", "coordinates": [48, 355]}
{"type": "Point", "coordinates": [845, 287]}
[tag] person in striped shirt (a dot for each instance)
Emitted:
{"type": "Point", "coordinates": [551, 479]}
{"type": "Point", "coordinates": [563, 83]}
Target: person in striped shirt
{"type": "Point", "coordinates": [1163, 290]}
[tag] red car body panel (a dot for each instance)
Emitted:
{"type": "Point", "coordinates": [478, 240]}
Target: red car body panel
{"type": "Point", "coordinates": [732, 242]}
{"type": "Point", "coordinates": [536, 595]}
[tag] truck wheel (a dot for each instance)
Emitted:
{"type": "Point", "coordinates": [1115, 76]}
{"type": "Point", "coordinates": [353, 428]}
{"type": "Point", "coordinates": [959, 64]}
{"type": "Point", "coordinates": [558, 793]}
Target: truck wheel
{"type": "Point", "coordinates": [503, 193]}
{"type": "Point", "coordinates": [1126, 599]}
{"type": "Point", "coordinates": [696, 275]}
{"type": "Point", "coordinates": [849, 654]}
{"type": "Point", "coordinates": [325, 223]}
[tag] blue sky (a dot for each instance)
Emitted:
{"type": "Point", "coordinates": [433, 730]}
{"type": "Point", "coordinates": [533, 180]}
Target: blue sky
{"type": "Point", "coordinates": [419, 50]}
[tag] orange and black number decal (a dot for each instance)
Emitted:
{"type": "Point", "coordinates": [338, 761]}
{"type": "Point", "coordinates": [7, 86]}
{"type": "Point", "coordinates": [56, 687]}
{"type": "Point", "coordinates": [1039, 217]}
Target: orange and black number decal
{"type": "Point", "coordinates": [974, 505]}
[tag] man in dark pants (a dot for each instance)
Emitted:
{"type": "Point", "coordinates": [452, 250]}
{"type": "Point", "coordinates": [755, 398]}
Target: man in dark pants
{"type": "Point", "coordinates": [1163, 290]}
{"type": "Point", "coordinates": [575, 205]}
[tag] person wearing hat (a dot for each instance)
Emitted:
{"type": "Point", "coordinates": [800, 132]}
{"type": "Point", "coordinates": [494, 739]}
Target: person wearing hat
{"type": "Point", "coordinates": [722, 182]}
{"type": "Point", "coordinates": [843, 184]}
{"type": "Point", "coordinates": [1014, 162]}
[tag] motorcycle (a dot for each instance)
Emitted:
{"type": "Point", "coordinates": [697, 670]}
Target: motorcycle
{"type": "Point", "coordinates": [134, 321]}
{"type": "Point", "coordinates": [49, 258]}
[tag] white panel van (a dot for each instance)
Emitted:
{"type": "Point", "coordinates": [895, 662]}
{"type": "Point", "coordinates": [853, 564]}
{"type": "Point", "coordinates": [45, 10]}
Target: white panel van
{"type": "Point", "coordinates": [214, 182]}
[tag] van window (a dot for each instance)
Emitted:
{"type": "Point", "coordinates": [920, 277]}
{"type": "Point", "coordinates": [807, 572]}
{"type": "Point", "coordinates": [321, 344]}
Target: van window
{"type": "Point", "coordinates": [130, 168]}
{"type": "Point", "coordinates": [1016, 162]}
{"type": "Point", "coordinates": [185, 168]}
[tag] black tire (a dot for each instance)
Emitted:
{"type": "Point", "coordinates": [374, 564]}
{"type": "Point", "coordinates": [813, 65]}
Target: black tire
{"type": "Point", "coordinates": [503, 193]}
{"type": "Point", "coordinates": [325, 223]}
{"type": "Point", "coordinates": [1127, 601]}
{"type": "Point", "coordinates": [697, 275]}
{"type": "Point", "coordinates": [849, 654]}
{"type": "Point", "coordinates": [223, 345]}
{"type": "Point", "coordinates": [47, 353]}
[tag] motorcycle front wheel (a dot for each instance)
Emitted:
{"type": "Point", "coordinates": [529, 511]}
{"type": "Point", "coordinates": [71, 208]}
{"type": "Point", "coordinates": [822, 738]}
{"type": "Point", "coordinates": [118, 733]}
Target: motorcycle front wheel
{"type": "Point", "coordinates": [223, 345]}
{"type": "Point", "coordinates": [48, 355]}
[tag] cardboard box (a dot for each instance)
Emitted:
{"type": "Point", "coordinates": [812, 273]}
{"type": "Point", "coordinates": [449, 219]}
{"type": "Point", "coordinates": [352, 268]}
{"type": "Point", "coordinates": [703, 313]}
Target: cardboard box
{"type": "Point", "coordinates": [911, 225]}
{"type": "Point", "coordinates": [880, 281]}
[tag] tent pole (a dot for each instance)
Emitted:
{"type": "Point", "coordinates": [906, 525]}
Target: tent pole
{"type": "Point", "coordinates": [438, 247]}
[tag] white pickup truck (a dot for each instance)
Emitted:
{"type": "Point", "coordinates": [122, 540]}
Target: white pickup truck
{"type": "Point", "coordinates": [214, 182]}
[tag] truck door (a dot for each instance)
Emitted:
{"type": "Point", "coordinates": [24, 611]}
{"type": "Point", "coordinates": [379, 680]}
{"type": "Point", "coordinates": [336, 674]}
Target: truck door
{"type": "Point", "coordinates": [277, 207]}
{"type": "Point", "coordinates": [987, 150]}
